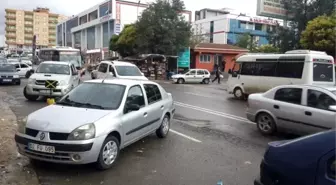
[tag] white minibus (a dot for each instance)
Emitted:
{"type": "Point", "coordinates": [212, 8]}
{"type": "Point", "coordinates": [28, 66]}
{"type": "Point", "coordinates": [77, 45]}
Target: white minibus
{"type": "Point", "coordinates": [254, 73]}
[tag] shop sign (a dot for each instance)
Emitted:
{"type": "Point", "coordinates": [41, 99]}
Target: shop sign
{"type": "Point", "coordinates": [264, 21]}
{"type": "Point", "coordinates": [183, 59]}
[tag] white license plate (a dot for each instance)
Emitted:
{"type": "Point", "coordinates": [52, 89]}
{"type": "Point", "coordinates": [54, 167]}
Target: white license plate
{"type": "Point", "coordinates": [7, 80]}
{"type": "Point", "coordinates": [45, 91]}
{"type": "Point", "coordinates": [41, 148]}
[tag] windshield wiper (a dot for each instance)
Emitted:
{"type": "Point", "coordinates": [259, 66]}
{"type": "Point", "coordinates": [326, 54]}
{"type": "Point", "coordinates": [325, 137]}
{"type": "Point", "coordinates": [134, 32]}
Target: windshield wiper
{"type": "Point", "coordinates": [89, 105]}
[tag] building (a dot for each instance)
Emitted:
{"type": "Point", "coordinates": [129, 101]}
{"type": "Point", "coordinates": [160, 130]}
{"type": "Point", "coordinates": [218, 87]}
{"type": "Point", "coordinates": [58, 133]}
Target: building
{"type": "Point", "coordinates": [22, 25]}
{"type": "Point", "coordinates": [223, 27]}
{"type": "Point", "coordinates": [92, 29]}
{"type": "Point", "coordinates": [206, 55]}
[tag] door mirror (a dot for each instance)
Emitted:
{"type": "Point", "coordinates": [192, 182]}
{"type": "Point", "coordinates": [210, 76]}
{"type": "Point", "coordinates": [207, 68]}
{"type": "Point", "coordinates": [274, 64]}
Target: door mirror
{"type": "Point", "coordinates": [234, 74]}
{"type": "Point", "coordinates": [131, 107]}
{"type": "Point", "coordinates": [230, 71]}
{"type": "Point", "coordinates": [111, 74]}
{"type": "Point", "coordinates": [332, 108]}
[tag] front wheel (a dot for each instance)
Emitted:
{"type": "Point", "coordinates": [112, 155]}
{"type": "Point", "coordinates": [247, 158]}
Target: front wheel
{"type": "Point", "coordinates": [163, 130]}
{"type": "Point", "coordinates": [109, 153]}
{"type": "Point", "coordinates": [266, 124]}
{"type": "Point", "coordinates": [180, 81]}
{"type": "Point", "coordinates": [29, 97]}
{"type": "Point", "coordinates": [206, 81]}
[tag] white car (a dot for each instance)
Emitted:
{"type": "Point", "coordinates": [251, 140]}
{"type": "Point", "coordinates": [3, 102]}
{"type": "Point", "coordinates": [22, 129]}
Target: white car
{"type": "Point", "coordinates": [117, 69]}
{"type": "Point", "coordinates": [95, 120]}
{"type": "Point", "coordinates": [193, 76]}
{"type": "Point", "coordinates": [22, 68]}
{"type": "Point", "coordinates": [64, 73]}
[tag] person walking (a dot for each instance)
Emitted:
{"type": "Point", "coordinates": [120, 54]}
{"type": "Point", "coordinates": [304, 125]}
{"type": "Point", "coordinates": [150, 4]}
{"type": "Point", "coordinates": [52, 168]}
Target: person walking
{"type": "Point", "coordinates": [217, 73]}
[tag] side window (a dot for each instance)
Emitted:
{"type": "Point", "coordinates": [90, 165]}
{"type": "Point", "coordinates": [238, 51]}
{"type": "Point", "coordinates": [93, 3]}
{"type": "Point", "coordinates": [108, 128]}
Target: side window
{"type": "Point", "coordinates": [236, 68]}
{"type": "Point", "coordinates": [102, 68]}
{"type": "Point", "coordinates": [289, 95]}
{"type": "Point", "coordinates": [153, 93]}
{"type": "Point", "coordinates": [206, 72]}
{"type": "Point", "coordinates": [200, 72]}
{"type": "Point", "coordinates": [24, 66]}
{"type": "Point", "coordinates": [192, 72]}
{"type": "Point", "coordinates": [290, 69]}
{"type": "Point", "coordinates": [265, 68]}
{"type": "Point", "coordinates": [319, 100]}
{"type": "Point", "coordinates": [111, 70]}
{"type": "Point", "coordinates": [248, 68]}
{"type": "Point", "coordinates": [331, 165]}
{"type": "Point", "coordinates": [17, 66]}
{"type": "Point", "coordinates": [135, 96]}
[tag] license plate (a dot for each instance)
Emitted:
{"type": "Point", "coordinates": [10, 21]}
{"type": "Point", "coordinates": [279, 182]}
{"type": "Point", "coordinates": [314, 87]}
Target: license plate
{"type": "Point", "coordinates": [44, 91]}
{"type": "Point", "coordinates": [41, 148]}
{"type": "Point", "coordinates": [7, 80]}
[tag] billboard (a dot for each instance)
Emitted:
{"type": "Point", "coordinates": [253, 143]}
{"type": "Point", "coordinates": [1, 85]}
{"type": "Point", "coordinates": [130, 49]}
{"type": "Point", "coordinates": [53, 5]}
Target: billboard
{"type": "Point", "coordinates": [271, 8]}
{"type": "Point", "coordinates": [183, 59]}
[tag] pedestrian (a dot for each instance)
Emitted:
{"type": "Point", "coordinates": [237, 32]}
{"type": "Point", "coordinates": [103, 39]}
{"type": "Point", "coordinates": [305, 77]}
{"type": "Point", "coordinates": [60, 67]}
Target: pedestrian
{"type": "Point", "coordinates": [224, 63]}
{"type": "Point", "coordinates": [217, 73]}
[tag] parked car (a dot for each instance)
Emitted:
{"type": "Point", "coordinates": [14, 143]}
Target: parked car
{"type": "Point", "coordinates": [64, 73]}
{"type": "Point", "coordinates": [307, 160]}
{"type": "Point", "coordinates": [3, 60]}
{"type": "Point", "coordinates": [117, 69]}
{"type": "Point", "coordinates": [22, 68]}
{"type": "Point", "coordinates": [95, 120]}
{"type": "Point", "coordinates": [27, 60]}
{"type": "Point", "coordinates": [297, 108]}
{"type": "Point", "coordinates": [8, 74]}
{"type": "Point", "coordinates": [193, 76]}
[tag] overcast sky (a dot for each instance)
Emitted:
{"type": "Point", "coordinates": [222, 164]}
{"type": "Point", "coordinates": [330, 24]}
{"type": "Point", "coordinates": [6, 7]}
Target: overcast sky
{"type": "Point", "coordinates": [72, 7]}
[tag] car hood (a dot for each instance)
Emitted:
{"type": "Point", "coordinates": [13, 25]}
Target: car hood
{"type": "Point", "coordinates": [46, 76]}
{"type": "Point", "coordinates": [64, 119]}
{"type": "Point", "coordinates": [5, 73]}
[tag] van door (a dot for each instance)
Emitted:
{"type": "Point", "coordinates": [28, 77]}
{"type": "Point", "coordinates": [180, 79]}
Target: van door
{"type": "Point", "coordinates": [326, 170]}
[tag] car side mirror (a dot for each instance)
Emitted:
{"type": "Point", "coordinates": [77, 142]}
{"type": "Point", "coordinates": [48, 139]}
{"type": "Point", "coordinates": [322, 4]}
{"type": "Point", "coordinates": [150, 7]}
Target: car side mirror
{"type": "Point", "coordinates": [332, 108]}
{"type": "Point", "coordinates": [230, 71]}
{"type": "Point", "coordinates": [234, 74]}
{"type": "Point", "coordinates": [131, 107]}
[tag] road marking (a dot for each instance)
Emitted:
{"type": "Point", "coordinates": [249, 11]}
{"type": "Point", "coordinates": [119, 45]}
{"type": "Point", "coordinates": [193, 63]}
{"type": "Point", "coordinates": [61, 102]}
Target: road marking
{"type": "Point", "coordinates": [222, 114]}
{"type": "Point", "coordinates": [185, 136]}
{"type": "Point", "coordinates": [195, 94]}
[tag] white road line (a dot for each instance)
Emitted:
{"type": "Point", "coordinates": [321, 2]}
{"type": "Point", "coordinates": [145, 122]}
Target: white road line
{"type": "Point", "coordinates": [185, 136]}
{"type": "Point", "coordinates": [195, 94]}
{"type": "Point", "coordinates": [222, 114]}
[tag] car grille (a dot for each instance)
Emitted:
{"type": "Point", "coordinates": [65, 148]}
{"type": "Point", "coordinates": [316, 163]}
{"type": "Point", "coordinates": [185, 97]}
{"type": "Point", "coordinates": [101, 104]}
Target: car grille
{"type": "Point", "coordinates": [56, 156]}
{"type": "Point", "coordinates": [31, 132]}
{"type": "Point", "coordinates": [52, 135]}
{"type": "Point", "coordinates": [41, 82]}
{"type": "Point", "coordinates": [3, 76]}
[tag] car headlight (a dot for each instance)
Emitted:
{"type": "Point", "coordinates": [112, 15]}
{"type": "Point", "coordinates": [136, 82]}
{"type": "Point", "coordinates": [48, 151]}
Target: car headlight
{"type": "Point", "coordinates": [84, 132]}
{"type": "Point", "coordinates": [31, 81]}
{"type": "Point", "coordinates": [22, 125]}
{"type": "Point", "coordinates": [16, 76]}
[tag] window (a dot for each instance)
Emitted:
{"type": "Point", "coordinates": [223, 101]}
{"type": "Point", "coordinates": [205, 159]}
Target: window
{"type": "Point", "coordinates": [135, 96]}
{"type": "Point", "coordinates": [236, 68]}
{"type": "Point", "coordinates": [258, 26]}
{"type": "Point", "coordinates": [206, 72]}
{"type": "Point", "coordinates": [331, 165]}
{"type": "Point", "coordinates": [102, 68]}
{"type": "Point", "coordinates": [24, 66]}
{"type": "Point", "coordinates": [319, 100]}
{"type": "Point", "coordinates": [248, 68]}
{"type": "Point", "coordinates": [242, 25]}
{"type": "Point", "coordinates": [265, 68]}
{"type": "Point", "coordinates": [205, 58]}
{"type": "Point", "coordinates": [290, 69]}
{"type": "Point", "coordinates": [323, 72]}
{"type": "Point", "coordinates": [128, 71]}
{"type": "Point", "coordinates": [111, 70]}
{"type": "Point", "coordinates": [289, 95]}
{"type": "Point", "coordinates": [153, 93]}
{"type": "Point", "coordinates": [192, 72]}
{"type": "Point", "coordinates": [200, 72]}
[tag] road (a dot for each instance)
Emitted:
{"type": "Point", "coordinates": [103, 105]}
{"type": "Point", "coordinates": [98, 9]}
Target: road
{"type": "Point", "coordinates": [210, 140]}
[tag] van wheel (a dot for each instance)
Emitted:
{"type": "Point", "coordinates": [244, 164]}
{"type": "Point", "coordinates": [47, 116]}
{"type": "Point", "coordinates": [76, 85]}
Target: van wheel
{"type": "Point", "coordinates": [238, 93]}
{"type": "Point", "coordinates": [29, 97]}
{"type": "Point", "coordinates": [180, 81]}
{"type": "Point", "coordinates": [266, 124]}
{"type": "Point", "coordinates": [206, 81]}
{"type": "Point", "coordinates": [109, 153]}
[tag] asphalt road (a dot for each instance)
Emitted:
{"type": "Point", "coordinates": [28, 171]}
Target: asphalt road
{"type": "Point", "coordinates": [210, 140]}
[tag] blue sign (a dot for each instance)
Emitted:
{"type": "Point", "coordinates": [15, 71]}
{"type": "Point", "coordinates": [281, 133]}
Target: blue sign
{"type": "Point", "coordinates": [183, 59]}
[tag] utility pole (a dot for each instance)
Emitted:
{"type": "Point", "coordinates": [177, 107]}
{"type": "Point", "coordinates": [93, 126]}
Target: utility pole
{"type": "Point", "coordinates": [138, 10]}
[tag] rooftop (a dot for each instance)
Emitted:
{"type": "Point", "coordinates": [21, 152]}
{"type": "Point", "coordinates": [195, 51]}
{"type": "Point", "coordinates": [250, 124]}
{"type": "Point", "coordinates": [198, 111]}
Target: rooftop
{"type": "Point", "coordinates": [219, 47]}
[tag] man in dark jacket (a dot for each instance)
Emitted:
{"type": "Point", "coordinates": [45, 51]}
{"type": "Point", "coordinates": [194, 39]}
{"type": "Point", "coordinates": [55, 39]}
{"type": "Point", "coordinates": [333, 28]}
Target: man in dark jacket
{"type": "Point", "coordinates": [217, 73]}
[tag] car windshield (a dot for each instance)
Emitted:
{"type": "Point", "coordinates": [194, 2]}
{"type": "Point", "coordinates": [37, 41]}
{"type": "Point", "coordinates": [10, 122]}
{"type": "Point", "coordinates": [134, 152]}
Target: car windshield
{"type": "Point", "coordinates": [7, 68]}
{"type": "Point", "coordinates": [95, 96]}
{"type": "Point", "coordinates": [54, 69]}
{"type": "Point", "coordinates": [323, 72]}
{"type": "Point", "coordinates": [128, 71]}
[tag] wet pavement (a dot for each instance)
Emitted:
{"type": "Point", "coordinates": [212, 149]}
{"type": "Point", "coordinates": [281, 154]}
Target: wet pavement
{"type": "Point", "coordinates": [210, 141]}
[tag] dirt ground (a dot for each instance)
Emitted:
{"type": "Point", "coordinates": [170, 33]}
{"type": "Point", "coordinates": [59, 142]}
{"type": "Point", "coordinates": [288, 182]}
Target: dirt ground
{"type": "Point", "coordinates": [14, 168]}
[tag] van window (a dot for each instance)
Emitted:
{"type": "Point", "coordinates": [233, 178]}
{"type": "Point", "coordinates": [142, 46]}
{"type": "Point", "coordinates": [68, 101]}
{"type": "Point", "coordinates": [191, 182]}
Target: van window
{"type": "Point", "coordinates": [289, 95]}
{"type": "Point", "coordinates": [290, 69]}
{"type": "Point", "coordinates": [323, 72]}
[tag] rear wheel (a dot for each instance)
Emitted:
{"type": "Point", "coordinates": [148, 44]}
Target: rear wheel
{"type": "Point", "coordinates": [206, 81]}
{"type": "Point", "coordinates": [266, 124]}
{"type": "Point", "coordinates": [180, 81]}
{"type": "Point", "coordinates": [29, 97]}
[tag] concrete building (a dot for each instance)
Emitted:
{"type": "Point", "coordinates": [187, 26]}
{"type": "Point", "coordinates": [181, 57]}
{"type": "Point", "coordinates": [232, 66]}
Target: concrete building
{"type": "Point", "coordinates": [22, 25]}
{"type": "Point", "coordinates": [223, 27]}
{"type": "Point", "coordinates": [92, 29]}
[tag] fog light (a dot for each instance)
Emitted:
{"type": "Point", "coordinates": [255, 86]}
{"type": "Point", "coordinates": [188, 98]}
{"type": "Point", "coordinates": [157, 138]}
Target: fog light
{"type": "Point", "coordinates": [76, 157]}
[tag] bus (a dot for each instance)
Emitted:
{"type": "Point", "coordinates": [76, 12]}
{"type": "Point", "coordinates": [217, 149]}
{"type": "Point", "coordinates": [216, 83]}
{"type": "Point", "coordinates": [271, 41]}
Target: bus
{"type": "Point", "coordinates": [64, 54]}
{"type": "Point", "coordinates": [255, 73]}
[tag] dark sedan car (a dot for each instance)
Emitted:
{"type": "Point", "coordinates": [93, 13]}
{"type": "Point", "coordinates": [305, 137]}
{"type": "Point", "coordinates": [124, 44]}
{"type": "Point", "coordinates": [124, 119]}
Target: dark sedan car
{"type": "Point", "coordinates": [307, 160]}
{"type": "Point", "coordinates": [9, 74]}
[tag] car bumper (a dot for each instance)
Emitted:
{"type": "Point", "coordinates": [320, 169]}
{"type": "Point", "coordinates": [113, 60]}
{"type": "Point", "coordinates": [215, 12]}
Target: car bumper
{"type": "Point", "coordinates": [39, 90]}
{"type": "Point", "coordinates": [9, 80]}
{"type": "Point", "coordinates": [250, 116]}
{"type": "Point", "coordinates": [88, 150]}
{"type": "Point", "coordinates": [174, 80]}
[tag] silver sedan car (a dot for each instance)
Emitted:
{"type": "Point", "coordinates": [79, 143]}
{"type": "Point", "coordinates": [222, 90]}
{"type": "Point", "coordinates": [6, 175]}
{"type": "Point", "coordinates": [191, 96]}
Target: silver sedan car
{"type": "Point", "coordinates": [301, 109]}
{"type": "Point", "coordinates": [95, 120]}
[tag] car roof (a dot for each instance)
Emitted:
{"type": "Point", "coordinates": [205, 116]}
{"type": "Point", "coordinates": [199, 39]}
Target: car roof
{"type": "Point", "coordinates": [56, 62]}
{"type": "Point", "coordinates": [118, 63]}
{"type": "Point", "coordinates": [119, 81]}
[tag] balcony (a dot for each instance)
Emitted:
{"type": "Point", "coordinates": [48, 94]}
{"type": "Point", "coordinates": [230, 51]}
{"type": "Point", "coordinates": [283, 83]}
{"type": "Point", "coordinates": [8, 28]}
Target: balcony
{"type": "Point", "coordinates": [52, 26]}
{"type": "Point", "coordinates": [10, 28]}
{"type": "Point", "coordinates": [10, 10]}
{"type": "Point", "coordinates": [52, 39]}
{"type": "Point", "coordinates": [10, 16]}
{"type": "Point", "coordinates": [10, 35]}
{"type": "Point", "coordinates": [10, 22]}
{"type": "Point", "coordinates": [28, 42]}
{"type": "Point", "coordinates": [55, 21]}
{"type": "Point", "coordinates": [28, 18]}
{"type": "Point", "coordinates": [28, 24]}
{"type": "Point", "coordinates": [28, 30]}
{"type": "Point", "coordinates": [8, 42]}
{"type": "Point", "coordinates": [28, 36]}
{"type": "Point", "coordinates": [52, 32]}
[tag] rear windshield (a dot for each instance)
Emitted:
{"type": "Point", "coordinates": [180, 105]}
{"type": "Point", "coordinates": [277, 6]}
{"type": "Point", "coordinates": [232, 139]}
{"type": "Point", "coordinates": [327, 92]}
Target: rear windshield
{"type": "Point", "coordinates": [128, 71]}
{"type": "Point", "coordinates": [323, 72]}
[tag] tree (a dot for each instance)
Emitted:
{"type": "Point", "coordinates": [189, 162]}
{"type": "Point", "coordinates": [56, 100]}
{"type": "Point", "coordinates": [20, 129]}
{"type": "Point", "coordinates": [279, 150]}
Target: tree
{"type": "Point", "coordinates": [268, 48]}
{"type": "Point", "coordinates": [320, 34]}
{"type": "Point", "coordinates": [244, 41]}
{"type": "Point", "coordinates": [162, 28]}
{"type": "Point", "coordinates": [125, 42]}
{"type": "Point", "coordinates": [197, 39]}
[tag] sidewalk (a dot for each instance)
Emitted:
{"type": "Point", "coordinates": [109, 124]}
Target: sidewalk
{"type": "Point", "coordinates": [14, 168]}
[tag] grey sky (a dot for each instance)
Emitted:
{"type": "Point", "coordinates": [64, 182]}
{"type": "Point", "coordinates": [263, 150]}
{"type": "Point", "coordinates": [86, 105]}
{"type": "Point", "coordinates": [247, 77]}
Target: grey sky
{"type": "Point", "coordinates": [72, 7]}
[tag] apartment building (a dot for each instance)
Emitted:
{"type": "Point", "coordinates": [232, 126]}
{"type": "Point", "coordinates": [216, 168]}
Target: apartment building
{"type": "Point", "coordinates": [22, 25]}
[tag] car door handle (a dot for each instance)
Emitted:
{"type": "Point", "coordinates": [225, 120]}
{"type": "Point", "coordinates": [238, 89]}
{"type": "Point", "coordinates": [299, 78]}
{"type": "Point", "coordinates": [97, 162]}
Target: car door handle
{"type": "Point", "coordinates": [145, 114]}
{"type": "Point", "coordinates": [276, 106]}
{"type": "Point", "coordinates": [308, 113]}
{"type": "Point", "coordinates": [162, 106]}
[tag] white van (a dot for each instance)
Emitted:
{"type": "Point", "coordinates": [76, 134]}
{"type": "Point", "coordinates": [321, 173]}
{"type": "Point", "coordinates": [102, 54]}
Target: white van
{"type": "Point", "coordinates": [254, 73]}
{"type": "Point", "coordinates": [117, 69]}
